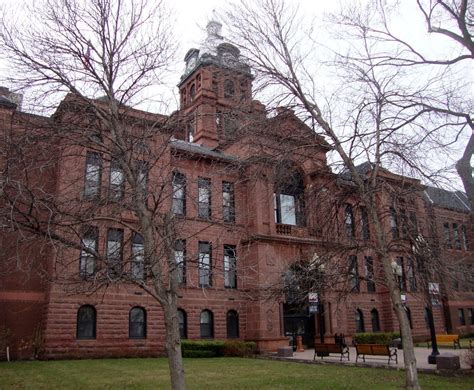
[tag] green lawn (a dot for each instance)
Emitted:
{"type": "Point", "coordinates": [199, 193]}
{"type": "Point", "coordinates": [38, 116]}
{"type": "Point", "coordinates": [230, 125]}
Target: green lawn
{"type": "Point", "coordinates": [217, 373]}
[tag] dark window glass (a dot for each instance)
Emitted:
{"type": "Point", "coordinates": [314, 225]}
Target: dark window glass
{"type": "Point", "coordinates": [408, 311]}
{"type": "Point", "coordinates": [471, 316]}
{"type": "Point", "coordinates": [413, 227]}
{"type": "Point", "coordinates": [230, 266]}
{"type": "Point", "coordinates": [369, 273]}
{"type": "Point", "coordinates": [114, 252]}
{"type": "Point", "coordinates": [86, 320]}
{"type": "Point", "coordinates": [204, 198]}
{"type": "Point", "coordinates": [180, 259]}
{"type": "Point", "coordinates": [374, 316]}
{"type": "Point", "coordinates": [183, 324]}
{"type": "Point", "coordinates": [137, 323]}
{"type": "Point", "coordinates": [228, 202]}
{"type": "Point", "coordinates": [462, 319]}
{"type": "Point", "coordinates": [116, 181]}
{"type": "Point", "coordinates": [412, 275]}
{"type": "Point", "coordinates": [402, 282]}
{"type": "Point", "coordinates": [394, 223]}
{"type": "Point", "coordinates": [93, 175]}
{"type": "Point", "coordinates": [365, 223]}
{"type": "Point", "coordinates": [465, 240]}
{"type": "Point", "coordinates": [138, 254]}
{"type": "Point", "coordinates": [205, 264]}
{"type": "Point", "coordinates": [229, 89]}
{"type": "Point", "coordinates": [207, 324]}
{"type": "Point", "coordinates": [457, 240]}
{"type": "Point", "coordinates": [447, 235]}
{"type": "Point", "coordinates": [179, 194]}
{"type": "Point", "coordinates": [349, 221]}
{"type": "Point", "coordinates": [353, 273]}
{"type": "Point", "coordinates": [404, 223]}
{"type": "Point", "coordinates": [289, 200]}
{"type": "Point", "coordinates": [359, 321]}
{"type": "Point", "coordinates": [232, 324]}
{"type": "Point", "coordinates": [89, 247]}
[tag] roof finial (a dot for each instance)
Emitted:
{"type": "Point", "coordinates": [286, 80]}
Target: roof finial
{"type": "Point", "coordinates": [213, 26]}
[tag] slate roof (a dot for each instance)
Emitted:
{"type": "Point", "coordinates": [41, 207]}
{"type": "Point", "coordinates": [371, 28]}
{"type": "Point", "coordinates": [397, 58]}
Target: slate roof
{"type": "Point", "coordinates": [202, 150]}
{"type": "Point", "coordinates": [363, 168]}
{"type": "Point", "coordinates": [452, 200]}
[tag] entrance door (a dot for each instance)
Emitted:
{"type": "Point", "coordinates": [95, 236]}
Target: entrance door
{"type": "Point", "coordinates": [298, 322]}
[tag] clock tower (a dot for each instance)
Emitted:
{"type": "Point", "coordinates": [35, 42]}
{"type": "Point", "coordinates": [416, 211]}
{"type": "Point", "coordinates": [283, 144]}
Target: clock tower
{"type": "Point", "coordinates": [214, 89]}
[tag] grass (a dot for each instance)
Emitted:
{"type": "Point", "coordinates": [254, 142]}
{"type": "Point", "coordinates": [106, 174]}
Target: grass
{"type": "Point", "coordinates": [217, 373]}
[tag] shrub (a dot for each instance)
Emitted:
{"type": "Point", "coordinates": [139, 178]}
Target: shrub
{"type": "Point", "coordinates": [239, 348]}
{"type": "Point", "coordinates": [201, 348]}
{"type": "Point", "coordinates": [376, 338]}
{"type": "Point", "coordinates": [207, 349]}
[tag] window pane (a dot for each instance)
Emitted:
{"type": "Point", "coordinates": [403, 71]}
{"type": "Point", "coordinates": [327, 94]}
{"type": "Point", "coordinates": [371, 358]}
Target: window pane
{"type": "Point", "coordinates": [138, 253]}
{"type": "Point", "coordinates": [288, 211]}
{"type": "Point", "coordinates": [232, 324]}
{"type": "Point", "coordinates": [87, 259]}
{"type": "Point", "coordinates": [92, 175]}
{"type": "Point", "coordinates": [179, 194]}
{"type": "Point", "coordinates": [204, 263]}
{"type": "Point", "coordinates": [182, 324]}
{"type": "Point", "coordinates": [86, 323]}
{"type": "Point", "coordinates": [117, 181]}
{"type": "Point", "coordinates": [228, 202]}
{"type": "Point", "coordinates": [230, 279]}
{"type": "Point", "coordinates": [137, 323]}
{"type": "Point", "coordinates": [204, 198]}
{"type": "Point", "coordinates": [114, 252]}
{"type": "Point", "coordinates": [180, 259]}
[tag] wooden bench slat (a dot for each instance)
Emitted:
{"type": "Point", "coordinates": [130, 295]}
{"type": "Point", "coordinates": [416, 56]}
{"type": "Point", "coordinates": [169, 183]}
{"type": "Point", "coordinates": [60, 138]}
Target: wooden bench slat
{"type": "Point", "coordinates": [376, 350]}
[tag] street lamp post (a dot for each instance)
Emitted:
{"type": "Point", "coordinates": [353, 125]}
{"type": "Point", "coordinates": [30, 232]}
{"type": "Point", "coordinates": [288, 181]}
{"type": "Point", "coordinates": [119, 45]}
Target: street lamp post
{"type": "Point", "coordinates": [417, 247]}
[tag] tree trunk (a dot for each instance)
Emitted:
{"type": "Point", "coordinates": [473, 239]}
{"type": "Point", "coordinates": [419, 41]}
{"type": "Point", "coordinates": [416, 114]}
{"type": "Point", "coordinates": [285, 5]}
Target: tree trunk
{"type": "Point", "coordinates": [465, 171]}
{"type": "Point", "coordinates": [173, 346]}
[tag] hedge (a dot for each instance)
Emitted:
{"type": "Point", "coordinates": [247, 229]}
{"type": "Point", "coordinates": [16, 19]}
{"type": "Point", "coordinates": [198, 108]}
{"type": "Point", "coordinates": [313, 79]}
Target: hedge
{"type": "Point", "coordinates": [376, 338]}
{"type": "Point", "coordinates": [207, 349]}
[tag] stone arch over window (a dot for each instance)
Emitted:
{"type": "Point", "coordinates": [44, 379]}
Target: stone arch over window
{"type": "Point", "coordinates": [232, 324]}
{"type": "Point", "coordinates": [289, 200]}
{"type": "Point", "coordinates": [137, 323]}
{"type": "Point", "coordinates": [229, 89]}
{"type": "Point", "coordinates": [359, 321]}
{"type": "Point", "coordinates": [207, 324]}
{"type": "Point", "coordinates": [374, 316]}
{"type": "Point", "coordinates": [86, 322]}
{"type": "Point", "coordinates": [183, 324]}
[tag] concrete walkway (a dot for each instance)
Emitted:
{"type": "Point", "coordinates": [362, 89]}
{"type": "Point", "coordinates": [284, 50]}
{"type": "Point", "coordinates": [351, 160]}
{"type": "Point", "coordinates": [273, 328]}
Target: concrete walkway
{"type": "Point", "coordinates": [420, 353]}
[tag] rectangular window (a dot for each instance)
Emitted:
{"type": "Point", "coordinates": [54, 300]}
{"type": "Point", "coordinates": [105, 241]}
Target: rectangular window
{"type": "Point", "coordinates": [353, 274]}
{"type": "Point", "coordinates": [114, 252]}
{"type": "Point", "coordinates": [179, 194]}
{"type": "Point", "coordinates": [462, 319]}
{"type": "Point", "coordinates": [142, 177]}
{"type": "Point", "coordinates": [465, 240]}
{"type": "Point", "coordinates": [364, 219]}
{"type": "Point", "coordinates": [138, 257]}
{"type": "Point", "coordinates": [204, 198]}
{"type": "Point", "coordinates": [394, 223]}
{"type": "Point", "coordinates": [411, 275]}
{"type": "Point", "coordinates": [230, 266]}
{"type": "Point", "coordinates": [228, 202]}
{"type": "Point", "coordinates": [457, 240]}
{"type": "Point", "coordinates": [180, 259]}
{"type": "Point", "coordinates": [205, 264]}
{"type": "Point", "coordinates": [413, 227]}
{"type": "Point", "coordinates": [369, 273]}
{"type": "Point", "coordinates": [349, 221]}
{"type": "Point", "coordinates": [404, 223]}
{"type": "Point", "coordinates": [89, 243]}
{"type": "Point", "coordinates": [471, 316]}
{"type": "Point", "coordinates": [447, 235]}
{"type": "Point", "coordinates": [93, 175]}
{"type": "Point", "coordinates": [116, 181]}
{"type": "Point", "coordinates": [402, 282]}
{"type": "Point", "coordinates": [285, 209]}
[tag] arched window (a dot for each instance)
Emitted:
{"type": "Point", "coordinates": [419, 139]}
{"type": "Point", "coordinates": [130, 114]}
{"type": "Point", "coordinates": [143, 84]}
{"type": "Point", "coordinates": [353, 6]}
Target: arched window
{"type": "Point", "coordinates": [207, 324]}
{"type": "Point", "coordinates": [359, 321]}
{"type": "Point", "coordinates": [409, 316]}
{"type": "Point", "coordinates": [232, 324]}
{"type": "Point", "coordinates": [289, 195]}
{"type": "Point", "coordinates": [229, 89]}
{"type": "Point", "coordinates": [86, 320]}
{"type": "Point", "coordinates": [374, 316]}
{"type": "Point", "coordinates": [183, 324]}
{"type": "Point", "coordinates": [192, 92]}
{"type": "Point", "coordinates": [137, 323]}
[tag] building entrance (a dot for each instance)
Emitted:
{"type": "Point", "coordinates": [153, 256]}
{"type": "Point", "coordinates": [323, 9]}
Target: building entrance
{"type": "Point", "coordinates": [298, 322]}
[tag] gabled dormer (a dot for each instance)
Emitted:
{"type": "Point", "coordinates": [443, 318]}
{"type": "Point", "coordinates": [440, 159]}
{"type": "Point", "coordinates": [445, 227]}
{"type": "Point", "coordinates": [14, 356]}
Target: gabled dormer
{"type": "Point", "coordinates": [216, 84]}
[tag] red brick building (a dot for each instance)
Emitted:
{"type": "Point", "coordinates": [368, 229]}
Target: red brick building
{"type": "Point", "coordinates": [251, 195]}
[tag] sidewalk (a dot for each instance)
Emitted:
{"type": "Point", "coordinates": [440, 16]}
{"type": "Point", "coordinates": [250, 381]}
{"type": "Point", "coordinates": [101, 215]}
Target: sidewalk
{"type": "Point", "coordinates": [421, 355]}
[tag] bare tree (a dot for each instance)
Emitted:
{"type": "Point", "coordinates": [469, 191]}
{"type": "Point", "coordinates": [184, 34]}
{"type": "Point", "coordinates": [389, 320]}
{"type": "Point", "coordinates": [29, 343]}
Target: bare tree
{"type": "Point", "coordinates": [104, 54]}
{"type": "Point", "coordinates": [383, 122]}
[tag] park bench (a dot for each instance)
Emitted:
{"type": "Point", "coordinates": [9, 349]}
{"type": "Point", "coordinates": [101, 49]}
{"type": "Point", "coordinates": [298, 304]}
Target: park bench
{"type": "Point", "coordinates": [447, 339]}
{"type": "Point", "coordinates": [376, 350]}
{"type": "Point", "coordinates": [324, 349]}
